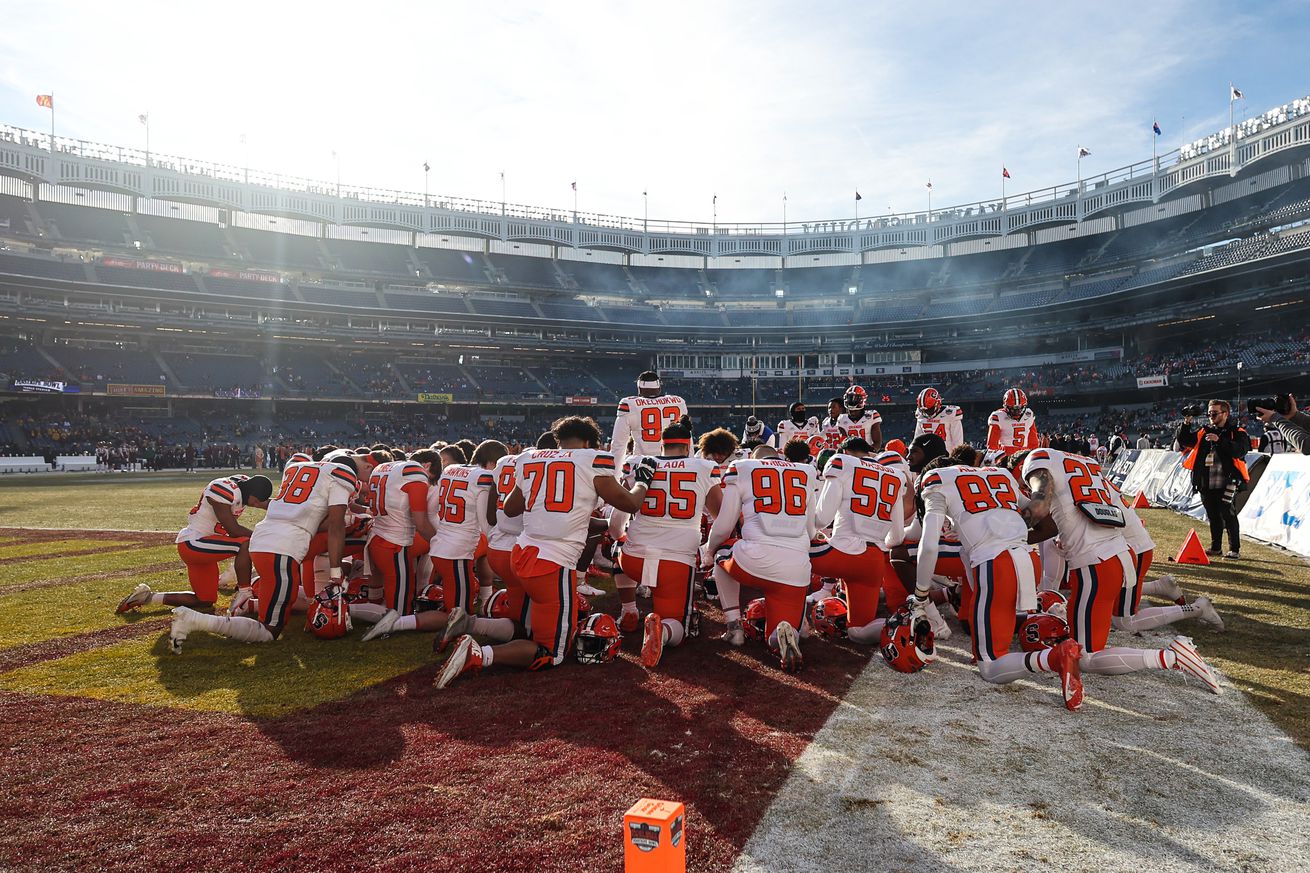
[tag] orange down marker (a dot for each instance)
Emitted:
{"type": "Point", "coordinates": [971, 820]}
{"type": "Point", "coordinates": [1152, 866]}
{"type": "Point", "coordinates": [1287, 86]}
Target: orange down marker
{"type": "Point", "coordinates": [1192, 551]}
{"type": "Point", "coordinates": [655, 837]}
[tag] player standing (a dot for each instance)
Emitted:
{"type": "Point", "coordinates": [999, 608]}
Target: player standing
{"type": "Point", "coordinates": [643, 417]}
{"type": "Point", "coordinates": [1013, 427]}
{"type": "Point", "coordinates": [933, 416]}
{"type": "Point", "coordinates": [555, 491]}
{"type": "Point", "coordinates": [799, 425]}
{"type": "Point", "coordinates": [858, 420]}
{"type": "Point", "coordinates": [311, 494]}
{"type": "Point", "coordinates": [774, 500]}
{"type": "Point", "coordinates": [212, 535]}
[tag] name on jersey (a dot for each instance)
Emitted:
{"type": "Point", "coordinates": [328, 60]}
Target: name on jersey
{"type": "Point", "coordinates": [654, 401]}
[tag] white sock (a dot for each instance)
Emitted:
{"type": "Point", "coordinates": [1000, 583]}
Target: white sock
{"type": "Point", "coordinates": [485, 591]}
{"type": "Point", "coordinates": [499, 629]}
{"type": "Point", "coordinates": [405, 623]}
{"type": "Point", "coordinates": [367, 612]}
{"type": "Point", "coordinates": [1153, 616]}
{"type": "Point", "coordinates": [673, 632]}
{"type": "Point", "coordinates": [630, 608]}
{"type": "Point", "coordinates": [729, 594]}
{"type": "Point", "coordinates": [869, 634]}
{"type": "Point", "coordinates": [1161, 587]}
{"type": "Point", "coordinates": [1015, 665]}
{"type": "Point", "coordinates": [247, 630]}
{"type": "Point", "coordinates": [487, 656]}
{"type": "Point", "coordinates": [1118, 660]}
{"type": "Point", "coordinates": [157, 597]}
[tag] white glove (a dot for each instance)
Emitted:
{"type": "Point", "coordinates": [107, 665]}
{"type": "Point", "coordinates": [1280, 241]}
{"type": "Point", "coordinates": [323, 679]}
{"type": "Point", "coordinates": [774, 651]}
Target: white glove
{"type": "Point", "coordinates": [918, 607]}
{"type": "Point", "coordinates": [706, 556]}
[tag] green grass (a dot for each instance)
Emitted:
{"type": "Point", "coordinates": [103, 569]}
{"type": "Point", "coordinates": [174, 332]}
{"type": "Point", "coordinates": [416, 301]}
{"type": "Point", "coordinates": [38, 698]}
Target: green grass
{"type": "Point", "coordinates": [51, 569]}
{"type": "Point", "coordinates": [1263, 599]}
{"type": "Point", "coordinates": [42, 614]}
{"type": "Point", "coordinates": [220, 675]}
{"type": "Point", "coordinates": [43, 548]}
{"type": "Point", "coordinates": [107, 501]}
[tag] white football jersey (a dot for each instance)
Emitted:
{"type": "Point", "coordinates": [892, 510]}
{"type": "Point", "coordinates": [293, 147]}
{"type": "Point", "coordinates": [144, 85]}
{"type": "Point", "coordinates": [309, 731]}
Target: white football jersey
{"type": "Point", "coordinates": [668, 525]}
{"type": "Point", "coordinates": [862, 428]}
{"type": "Point", "coordinates": [777, 501]}
{"type": "Point", "coordinates": [948, 424]}
{"type": "Point", "coordinates": [788, 430]}
{"type": "Point", "coordinates": [1076, 482]}
{"type": "Point", "coordinates": [982, 504]}
{"type": "Point", "coordinates": [301, 504]}
{"type": "Point", "coordinates": [396, 489]}
{"type": "Point", "coordinates": [559, 494]}
{"type": "Point", "coordinates": [202, 522]}
{"type": "Point", "coordinates": [869, 503]}
{"type": "Point", "coordinates": [1134, 532]}
{"type": "Point", "coordinates": [644, 419]}
{"type": "Point", "coordinates": [1010, 435]}
{"type": "Point", "coordinates": [458, 508]}
{"type": "Point", "coordinates": [506, 532]}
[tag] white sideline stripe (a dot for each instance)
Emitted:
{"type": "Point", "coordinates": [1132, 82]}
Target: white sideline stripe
{"type": "Point", "coordinates": [941, 770]}
{"type": "Point", "coordinates": [86, 529]}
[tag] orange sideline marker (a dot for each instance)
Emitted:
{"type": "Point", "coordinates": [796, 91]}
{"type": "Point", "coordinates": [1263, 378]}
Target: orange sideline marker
{"type": "Point", "coordinates": [655, 837]}
{"type": "Point", "coordinates": [1192, 551]}
{"type": "Point", "coordinates": [1140, 501]}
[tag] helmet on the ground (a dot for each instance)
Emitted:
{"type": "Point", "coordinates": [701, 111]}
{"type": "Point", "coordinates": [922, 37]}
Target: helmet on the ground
{"type": "Point", "coordinates": [329, 616]}
{"type": "Point", "coordinates": [1053, 603]}
{"type": "Point", "coordinates": [597, 641]}
{"type": "Point", "coordinates": [828, 618]}
{"type": "Point", "coordinates": [496, 606]}
{"type": "Point", "coordinates": [907, 646]}
{"type": "Point", "coordinates": [1042, 631]}
{"type": "Point", "coordinates": [432, 597]}
{"type": "Point", "coordinates": [752, 619]}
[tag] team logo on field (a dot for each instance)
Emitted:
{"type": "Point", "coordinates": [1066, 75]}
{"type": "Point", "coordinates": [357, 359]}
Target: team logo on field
{"type": "Point", "coordinates": [646, 836]}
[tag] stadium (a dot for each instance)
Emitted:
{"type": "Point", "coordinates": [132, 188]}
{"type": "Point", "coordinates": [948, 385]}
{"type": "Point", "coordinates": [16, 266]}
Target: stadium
{"type": "Point", "coordinates": [172, 322]}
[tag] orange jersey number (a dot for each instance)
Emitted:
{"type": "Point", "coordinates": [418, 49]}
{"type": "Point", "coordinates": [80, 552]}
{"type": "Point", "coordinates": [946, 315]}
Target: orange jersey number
{"type": "Point", "coordinates": [450, 497]}
{"type": "Point", "coordinates": [654, 419]}
{"type": "Point", "coordinates": [504, 485]}
{"type": "Point", "coordinates": [555, 479]}
{"type": "Point", "coordinates": [979, 494]}
{"type": "Point", "coordinates": [874, 493]}
{"type": "Point", "coordinates": [297, 487]}
{"type": "Point", "coordinates": [778, 491]}
{"type": "Point", "coordinates": [1084, 481]}
{"type": "Point", "coordinates": [669, 495]}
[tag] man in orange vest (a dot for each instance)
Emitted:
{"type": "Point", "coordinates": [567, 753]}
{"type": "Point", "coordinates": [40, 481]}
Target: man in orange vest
{"type": "Point", "coordinates": [1216, 455]}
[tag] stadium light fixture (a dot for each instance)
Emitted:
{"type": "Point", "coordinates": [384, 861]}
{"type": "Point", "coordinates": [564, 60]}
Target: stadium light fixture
{"type": "Point", "coordinates": [779, 293]}
{"type": "Point", "coordinates": [851, 290]}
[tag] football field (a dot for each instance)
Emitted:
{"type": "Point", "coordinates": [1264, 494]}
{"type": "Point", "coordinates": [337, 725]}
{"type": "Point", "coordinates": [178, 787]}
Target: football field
{"type": "Point", "coordinates": [319, 755]}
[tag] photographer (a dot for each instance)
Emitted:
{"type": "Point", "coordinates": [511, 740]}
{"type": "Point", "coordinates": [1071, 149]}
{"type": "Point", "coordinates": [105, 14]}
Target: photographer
{"type": "Point", "coordinates": [1280, 414]}
{"type": "Point", "coordinates": [1216, 456]}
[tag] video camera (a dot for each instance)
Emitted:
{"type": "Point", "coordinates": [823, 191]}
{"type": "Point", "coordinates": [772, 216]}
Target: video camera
{"type": "Point", "coordinates": [1194, 411]}
{"type": "Point", "coordinates": [1280, 403]}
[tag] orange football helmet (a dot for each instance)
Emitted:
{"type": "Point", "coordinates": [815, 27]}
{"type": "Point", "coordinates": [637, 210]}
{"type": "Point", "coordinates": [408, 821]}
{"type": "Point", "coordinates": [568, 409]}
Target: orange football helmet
{"type": "Point", "coordinates": [930, 401]}
{"type": "Point", "coordinates": [907, 649]}
{"type": "Point", "coordinates": [1042, 631]}
{"type": "Point", "coordinates": [329, 616]}
{"type": "Point", "coordinates": [752, 619]}
{"type": "Point", "coordinates": [1053, 603]}
{"type": "Point", "coordinates": [598, 639]}
{"type": "Point", "coordinates": [1015, 402]}
{"type": "Point", "coordinates": [854, 399]}
{"type": "Point", "coordinates": [828, 618]}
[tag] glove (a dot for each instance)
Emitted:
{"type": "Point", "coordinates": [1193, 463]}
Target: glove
{"type": "Point", "coordinates": [918, 607]}
{"type": "Point", "coordinates": [706, 556]}
{"type": "Point", "coordinates": [645, 471]}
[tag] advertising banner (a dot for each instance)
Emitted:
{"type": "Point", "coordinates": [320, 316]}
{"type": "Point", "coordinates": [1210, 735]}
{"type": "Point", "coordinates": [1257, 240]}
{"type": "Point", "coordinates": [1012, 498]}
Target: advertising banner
{"type": "Point", "coordinates": [1278, 510]}
{"type": "Point", "coordinates": [436, 398]}
{"type": "Point", "coordinates": [123, 389]}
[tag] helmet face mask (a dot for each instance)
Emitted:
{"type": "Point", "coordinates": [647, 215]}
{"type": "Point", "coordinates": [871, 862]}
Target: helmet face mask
{"type": "Point", "coordinates": [1015, 402]}
{"type": "Point", "coordinates": [907, 649]}
{"type": "Point", "coordinates": [597, 640]}
{"type": "Point", "coordinates": [930, 401]}
{"type": "Point", "coordinates": [1042, 630]}
{"type": "Point", "coordinates": [854, 401]}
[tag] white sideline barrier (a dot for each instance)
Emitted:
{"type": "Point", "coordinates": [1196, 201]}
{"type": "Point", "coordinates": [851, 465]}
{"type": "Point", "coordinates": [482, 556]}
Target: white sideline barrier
{"type": "Point", "coordinates": [1278, 510]}
{"type": "Point", "coordinates": [29, 464]}
{"type": "Point", "coordinates": [76, 463]}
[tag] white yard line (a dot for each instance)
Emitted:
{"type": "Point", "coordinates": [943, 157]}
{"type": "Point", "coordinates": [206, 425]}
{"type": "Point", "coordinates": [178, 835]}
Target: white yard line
{"type": "Point", "coordinates": [942, 771]}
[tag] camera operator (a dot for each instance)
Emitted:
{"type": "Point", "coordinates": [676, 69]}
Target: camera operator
{"type": "Point", "coordinates": [1216, 455]}
{"type": "Point", "coordinates": [1280, 415]}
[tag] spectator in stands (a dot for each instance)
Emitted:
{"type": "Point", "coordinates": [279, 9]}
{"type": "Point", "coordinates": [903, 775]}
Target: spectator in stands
{"type": "Point", "coordinates": [1293, 428]}
{"type": "Point", "coordinates": [1143, 442]}
{"type": "Point", "coordinates": [1117, 444]}
{"type": "Point", "coordinates": [1216, 455]}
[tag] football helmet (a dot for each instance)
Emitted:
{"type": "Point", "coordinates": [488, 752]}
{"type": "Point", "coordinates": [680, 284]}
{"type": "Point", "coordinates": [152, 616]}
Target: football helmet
{"type": "Point", "coordinates": [907, 649]}
{"type": "Point", "coordinates": [1015, 402]}
{"type": "Point", "coordinates": [1042, 631]}
{"type": "Point", "coordinates": [598, 639]}
{"type": "Point", "coordinates": [1053, 603]}
{"type": "Point", "coordinates": [854, 400]}
{"type": "Point", "coordinates": [898, 447]}
{"type": "Point", "coordinates": [329, 617]}
{"type": "Point", "coordinates": [754, 428]}
{"type": "Point", "coordinates": [430, 598]}
{"type": "Point", "coordinates": [828, 618]}
{"type": "Point", "coordinates": [495, 606]}
{"type": "Point", "coordinates": [752, 619]}
{"type": "Point", "coordinates": [930, 401]}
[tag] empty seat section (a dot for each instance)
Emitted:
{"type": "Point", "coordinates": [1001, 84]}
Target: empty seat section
{"type": "Point", "coordinates": [598, 278]}
{"type": "Point", "coordinates": [506, 382]}
{"type": "Point", "coordinates": [183, 237]}
{"type": "Point", "coordinates": [216, 372]}
{"type": "Point", "coordinates": [146, 278]}
{"type": "Point", "coordinates": [436, 378]}
{"type": "Point", "coordinates": [526, 270]}
{"type": "Point", "coordinates": [757, 317]}
{"type": "Point", "coordinates": [357, 297]}
{"type": "Point", "coordinates": [242, 288]}
{"type": "Point", "coordinates": [270, 249]}
{"type": "Point", "coordinates": [833, 316]}
{"type": "Point", "coordinates": [73, 271]}
{"type": "Point", "coordinates": [85, 223]}
{"type": "Point", "coordinates": [631, 314]}
{"type": "Point", "coordinates": [458, 266]}
{"type": "Point", "coordinates": [672, 281]}
{"type": "Point", "coordinates": [14, 210]}
{"type": "Point", "coordinates": [99, 366]}
{"type": "Point", "coordinates": [486, 306]}
{"type": "Point", "coordinates": [741, 283]}
{"type": "Point", "coordinates": [692, 317]}
{"type": "Point", "coordinates": [817, 281]}
{"type": "Point", "coordinates": [371, 257]}
{"type": "Point", "coordinates": [426, 302]}
{"type": "Point", "coordinates": [568, 310]}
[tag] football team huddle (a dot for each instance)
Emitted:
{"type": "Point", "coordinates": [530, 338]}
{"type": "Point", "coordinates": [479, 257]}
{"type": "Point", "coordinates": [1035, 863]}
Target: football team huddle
{"type": "Point", "coordinates": [837, 534]}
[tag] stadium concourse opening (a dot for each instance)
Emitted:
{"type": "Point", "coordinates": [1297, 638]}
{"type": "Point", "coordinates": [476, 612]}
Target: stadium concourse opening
{"type": "Point", "coordinates": [444, 530]}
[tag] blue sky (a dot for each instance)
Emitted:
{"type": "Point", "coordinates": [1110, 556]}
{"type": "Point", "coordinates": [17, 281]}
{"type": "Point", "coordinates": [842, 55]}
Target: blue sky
{"type": "Point", "coordinates": [686, 100]}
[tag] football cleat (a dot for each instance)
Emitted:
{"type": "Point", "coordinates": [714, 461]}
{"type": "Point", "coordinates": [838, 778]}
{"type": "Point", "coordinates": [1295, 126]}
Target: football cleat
{"type": "Point", "coordinates": [597, 640]}
{"type": "Point", "coordinates": [1207, 614]}
{"type": "Point", "coordinates": [1190, 662]}
{"type": "Point", "coordinates": [652, 640]}
{"type": "Point", "coordinates": [828, 617]}
{"type": "Point", "coordinates": [465, 657]}
{"type": "Point", "coordinates": [383, 627]}
{"type": "Point", "coordinates": [907, 645]}
{"type": "Point", "coordinates": [139, 597]}
{"type": "Point", "coordinates": [789, 647]}
{"type": "Point", "coordinates": [182, 625]}
{"type": "Point", "coordinates": [733, 634]}
{"type": "Point", "coordinates": [1042, 631]}
{"type": "Point", "coordinates": [459, 623]}
{"type": "Point", "coordinates": [1166, 588]}
{"type": "Point", "coordinates": [243, 602]}
{"type": "Point", "coordinates": [629, 622]}
{"type": "Point", "coordinates": [753, 619]}
{"type": "Point", "coordinates": [1065, 659]}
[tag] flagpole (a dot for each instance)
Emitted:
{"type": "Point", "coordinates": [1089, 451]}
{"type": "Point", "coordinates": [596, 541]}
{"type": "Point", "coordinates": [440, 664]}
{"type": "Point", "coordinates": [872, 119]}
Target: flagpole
{"type": "Point", "coordinates": [52, 122]}
{"type": "Point", "coordinates": [784, 213]}
{"type": "Point", "coordinates": [714, 227]}
{"type": "Point", "coordinates": [645, 210]}
{"type": "Point", "coordinates": [575, 202]}
{"type": "Point", "coordinates": [930, 200]}
{"type": "Point", "coordinates": [502, 192]}
{"type": "Point", "coordinates": [147, 139]}
{"type": "Point", "coordinates": [1002, 189]}
{"type": "Point", "coordinates": [426, 171]}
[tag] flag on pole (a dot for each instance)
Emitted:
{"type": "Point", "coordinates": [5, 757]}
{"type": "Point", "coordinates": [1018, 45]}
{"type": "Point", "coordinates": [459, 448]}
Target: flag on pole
{"type": "Point", "coordinates": [1005, 174]}
{"type": "Point", "coordinates": [715, 201]}
{"type": "Point", "coordinates": [1082, 152]}
{"type": "Point", "coordinates": [46, 100]}
{"type": "Point", "coordinates": [1235, 95]}
{"type": "Point", "coordinates": [858, 198]}
{"type": "Point", "coordinates": [426, 168]}
{"type": "Point", "coordinates": [930, 184]}
{"type": "Point", "coordinates": [144, 119]}
{"type": "Point", "coordinates": [575, 186]}
{"type": "Point", "coordinates": [1155, 126]}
